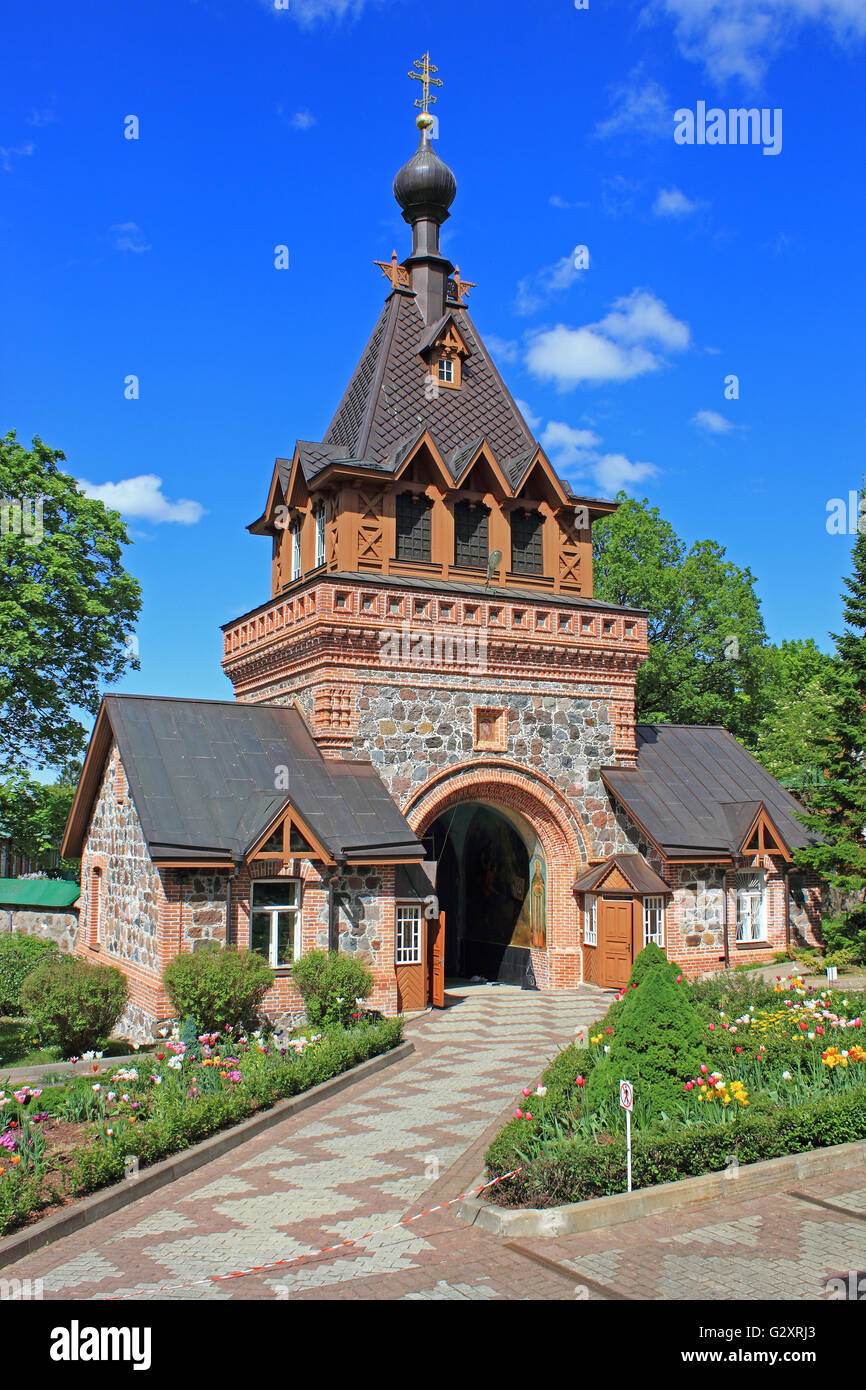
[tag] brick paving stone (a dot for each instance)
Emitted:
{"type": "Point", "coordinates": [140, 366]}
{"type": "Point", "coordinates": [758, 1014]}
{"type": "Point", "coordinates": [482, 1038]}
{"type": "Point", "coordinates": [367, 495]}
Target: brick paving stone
{"type": "Point", "coordinates": [412, 1137]}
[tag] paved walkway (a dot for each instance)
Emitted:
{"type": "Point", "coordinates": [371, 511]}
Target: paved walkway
{"type": "Point", "coordinates": [414, 1136]}
{"type": "Point", "coordinates": [368, 1158]}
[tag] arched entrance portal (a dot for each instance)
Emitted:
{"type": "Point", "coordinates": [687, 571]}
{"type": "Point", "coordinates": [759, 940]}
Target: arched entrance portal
{"type": "Point", "coordinates": [492, 886]}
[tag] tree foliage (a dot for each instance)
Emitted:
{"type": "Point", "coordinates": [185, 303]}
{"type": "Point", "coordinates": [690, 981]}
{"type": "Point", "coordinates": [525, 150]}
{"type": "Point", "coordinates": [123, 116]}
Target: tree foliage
{"type": "Point", "coordinates": [790, 737]}
{"type": "Point", "coordinates": [838, 804]}
{"type": "Point", "coordinates": [67, 606]}
{"type": "Point", "coordinates": [706, 633]}
{"type": "Point", "coordinates": [33, 814]}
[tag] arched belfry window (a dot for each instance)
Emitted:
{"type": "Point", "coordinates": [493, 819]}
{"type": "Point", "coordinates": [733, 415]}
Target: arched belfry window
{"type": "Point", "coordinates": [413, 527]}
{"type": "Point", "coordinates": [471, 547]}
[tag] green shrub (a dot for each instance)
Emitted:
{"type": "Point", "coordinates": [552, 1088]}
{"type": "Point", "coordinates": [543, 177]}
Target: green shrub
{"type": "Point", "coordinates": [579, 1169]}
{"type": "Point", "coordinates": [74, 1003]}
{"type": "Point", "coordinates": [659, 1043]}
{"type": "Point", "coordinates": [652, 957]}
{"type": "Point", "coordinates": [19, 957]}
{"type": "Point", "coordinates": [331, 984]}
{"type": "Point", "coordinates": [218, 988]}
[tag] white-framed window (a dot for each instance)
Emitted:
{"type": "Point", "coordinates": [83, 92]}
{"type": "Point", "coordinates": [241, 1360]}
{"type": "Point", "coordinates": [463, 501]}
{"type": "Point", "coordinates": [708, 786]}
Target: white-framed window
{"type": "Point", "coordinates": [320, 536]}
{"type": "Point", "coordinates": [751, 889]}
{"type": "Point", "coordinates": [446, 370]}
{"type": "Point", "coordinates": [295, 534]}
{"type": "Point", "coordinates": [590, 919]}
{"type": "Point", "coordinates": [408, 934]}
{"type": "Point", "coordinates": [654, 921]}
{"type": "Point", "coordinates": [275, 920]}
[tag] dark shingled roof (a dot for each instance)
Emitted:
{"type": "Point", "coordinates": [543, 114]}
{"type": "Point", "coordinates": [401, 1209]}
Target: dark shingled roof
{"type": "Point", "coordinates": [202, 774]}
{"type": "Point", "coordinates": [697, 790]}
{"type": "Point", "coordinates": [633, 867]}
{"type": "Point", "coordinates": [385, 400]}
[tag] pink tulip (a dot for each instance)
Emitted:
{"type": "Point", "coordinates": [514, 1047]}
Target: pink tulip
{"type": "Point", "coordinates": [579, 1081]}
{"type": "Point", "coordinates": [518, 1114]}
{"type": "Point", "coordinates": [526, 1091]}
{"type": "Point", "coordinates": [703, 1068]}
{"type": "Point", "coordinates": [679, 979]}
{"type": "Point", "coordinates": [528, 1115]}
{"type": "Point", "coordinates": [712, 1028]}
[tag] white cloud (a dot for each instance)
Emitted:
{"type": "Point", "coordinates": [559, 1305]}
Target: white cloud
{"type": "Point", "coordinates": [615, 471]}
{"type": "Point", "coordinates": [566, 446]}
{"type": "Point", "coordinates": [577, 450]}
{"type": "Point", "coordinates": [506, 349]}
{"type": "Point", "coordinates": [738, 38]}
{"type": "Point", "coordinates": [556, 201]}
{"type": "Point", "coordinates": [671, 202]}
{"type": "Point", "coordinates": [638, 106]}
{"type": "Point", "coordinates": [532, 420]}
{"type": "Point", "coordinates": [533, 290]}
{"type": "Point", "coordinates": [571, 355]}
{"type": "Point", "coordinates": [640, 317]}
{"type": "Point", "coordinates": [712, 421]}
{"type": "Point", "coordinates": [9, 153]}
{"type": "Point", "coordinates": [298, 120]}
{"type": "Point", "coordinates": [309, 12]}
{"type": "Point", "coordinates": [615, 349]}
{"type": "Point", "coordinates": [128, 236]}
{"type": "Point", "coordinates": [143, 497]}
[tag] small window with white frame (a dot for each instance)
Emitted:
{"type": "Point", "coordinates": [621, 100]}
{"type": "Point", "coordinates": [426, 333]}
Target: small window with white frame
{"type": "Point", "coordinates": [590, 919]}
{"type": "Point", "coordinates": [446, 370]}
{"type": "Point", "coordinates": [751, 907]}
{"type": "Point", "coordinates": [295, 534]}
{"type": "Point", "coordinates": [275, 920]}
{"type": "Point", "coordinates": [654, 921]}
{"type": "Point", "coordinates": [320, 536]}
{"type": "Point", "coordinates": [408, 934]}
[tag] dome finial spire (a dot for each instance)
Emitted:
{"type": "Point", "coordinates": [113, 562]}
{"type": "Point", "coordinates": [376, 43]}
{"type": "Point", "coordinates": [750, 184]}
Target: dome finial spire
{"type": "Point", "coordinates": [424, 68]}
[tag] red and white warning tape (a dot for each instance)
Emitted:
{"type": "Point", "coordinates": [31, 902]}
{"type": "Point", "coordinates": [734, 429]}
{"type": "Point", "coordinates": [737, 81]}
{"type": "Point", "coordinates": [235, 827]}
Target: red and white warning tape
{"type": "Point", "coordinates": [313, 1254]}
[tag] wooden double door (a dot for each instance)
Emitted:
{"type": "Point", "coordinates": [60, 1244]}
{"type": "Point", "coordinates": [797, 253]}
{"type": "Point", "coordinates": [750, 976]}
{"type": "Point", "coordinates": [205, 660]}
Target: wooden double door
{"type": "Point", "coordinates": [424, 982]}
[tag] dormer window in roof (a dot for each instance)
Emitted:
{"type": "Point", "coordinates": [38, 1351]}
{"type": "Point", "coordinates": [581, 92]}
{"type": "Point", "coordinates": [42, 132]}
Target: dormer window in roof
{"type": "Point", "coordinates": [471, 535]}
{"type": "Point", "coordinates": [320, 534]}
{"type": "Point", "coordinates": [413, 529]}
{"type": "Point", "coordinates": [295, 541]}
{"type": "Point", "coordinates": [448, 370]}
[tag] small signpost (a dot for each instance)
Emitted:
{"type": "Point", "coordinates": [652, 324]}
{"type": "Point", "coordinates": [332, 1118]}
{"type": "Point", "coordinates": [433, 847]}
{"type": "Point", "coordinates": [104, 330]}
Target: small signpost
{"type": "Point", "coordinates": [626, 1100]}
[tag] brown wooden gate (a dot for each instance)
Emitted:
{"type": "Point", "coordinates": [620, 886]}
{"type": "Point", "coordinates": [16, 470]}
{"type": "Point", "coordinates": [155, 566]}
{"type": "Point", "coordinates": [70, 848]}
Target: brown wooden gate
{"type": "Point", "coordinates": [615, 932]}
{"type": "Point", "coordinates": [436, 961]}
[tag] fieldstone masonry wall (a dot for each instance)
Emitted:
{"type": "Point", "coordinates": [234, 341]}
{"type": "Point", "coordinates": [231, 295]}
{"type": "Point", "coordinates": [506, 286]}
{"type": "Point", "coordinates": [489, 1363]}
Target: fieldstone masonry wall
{"type": "Point", "coordinates": [61, 927]}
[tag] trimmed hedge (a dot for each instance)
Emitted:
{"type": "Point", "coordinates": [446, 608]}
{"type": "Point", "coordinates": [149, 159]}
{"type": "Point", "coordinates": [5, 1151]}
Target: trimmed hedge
{"type": "Point", "coordinates": [576, 1170]}
{"type": "Point", "coordinates": [218, 987]}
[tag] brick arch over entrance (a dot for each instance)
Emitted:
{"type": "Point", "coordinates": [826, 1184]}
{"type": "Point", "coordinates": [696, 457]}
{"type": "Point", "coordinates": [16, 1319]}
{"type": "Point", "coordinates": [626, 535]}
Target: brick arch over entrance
{"type": "Point", "coordinates": [562, 839]}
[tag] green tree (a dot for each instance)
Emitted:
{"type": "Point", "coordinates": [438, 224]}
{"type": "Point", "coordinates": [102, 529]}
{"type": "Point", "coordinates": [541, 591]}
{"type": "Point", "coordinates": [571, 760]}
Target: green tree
{"type": "Point", "coordinates": [706, 633]}
{"type": "Point", "coordinates": [33, 814]}
{"type": "Point", "coordinates": [790, 737]}
{"type": "Point", "coordinates": [67, 606]}
{"type": "Point", "coordinates": [838, 804]}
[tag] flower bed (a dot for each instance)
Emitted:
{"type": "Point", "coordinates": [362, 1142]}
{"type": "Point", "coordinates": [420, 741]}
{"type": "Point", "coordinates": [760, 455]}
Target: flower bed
{"type": "Point", "coordinates": [60, 1142]}
{"type": "Point", "coordinates": [783, 1071]}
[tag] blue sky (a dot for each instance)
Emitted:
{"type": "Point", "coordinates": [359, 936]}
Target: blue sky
{"type": "Point", "coordinates": [259, 127]}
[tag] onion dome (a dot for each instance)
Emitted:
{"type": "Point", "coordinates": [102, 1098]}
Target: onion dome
{"type": "Point", "coordinates": [425, 186]}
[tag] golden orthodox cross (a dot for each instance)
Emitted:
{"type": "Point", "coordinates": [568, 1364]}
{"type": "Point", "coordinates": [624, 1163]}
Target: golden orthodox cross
{"type": "Point", "coordinates": [424, 69]}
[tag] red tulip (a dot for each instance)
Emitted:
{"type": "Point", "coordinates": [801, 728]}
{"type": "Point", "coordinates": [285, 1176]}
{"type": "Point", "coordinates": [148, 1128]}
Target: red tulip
{"type": "Point", "coordinates": [579, 1081]}
{"type": "Point", "coordinates": [526, 1091]}
{"type": "Point", "coordinates": [738, 1049]}
{"type": "Point", "coordinates": [518, 1114]}
{"type": "Point", "coordinates": [528, 1115]}
{"type": "Point", "coordinates": [704, 1068]}
{"type": "Point", "coordinates": [679, 978]}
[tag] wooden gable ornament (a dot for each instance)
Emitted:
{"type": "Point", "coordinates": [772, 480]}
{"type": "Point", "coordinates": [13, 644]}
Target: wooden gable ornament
{"type": "Point", "coordinates": [288, 837]}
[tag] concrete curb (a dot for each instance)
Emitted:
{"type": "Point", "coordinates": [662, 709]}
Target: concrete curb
{"type": "Point", "coordinates": [89, 1209]}
{"type": "Point", "coordinates": [20, 1075]}
{"type": "Point", "coordinates": [749, 1180]}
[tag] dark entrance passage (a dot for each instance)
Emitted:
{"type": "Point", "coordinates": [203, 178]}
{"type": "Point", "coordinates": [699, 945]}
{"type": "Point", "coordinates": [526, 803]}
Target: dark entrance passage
{"type": "Point", "coordinates": [491, 884]}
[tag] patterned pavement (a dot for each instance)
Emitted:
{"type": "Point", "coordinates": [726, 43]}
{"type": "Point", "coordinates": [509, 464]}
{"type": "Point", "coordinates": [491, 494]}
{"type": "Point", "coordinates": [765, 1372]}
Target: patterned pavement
{"type": "Point", "coordinates": [412, 1137]}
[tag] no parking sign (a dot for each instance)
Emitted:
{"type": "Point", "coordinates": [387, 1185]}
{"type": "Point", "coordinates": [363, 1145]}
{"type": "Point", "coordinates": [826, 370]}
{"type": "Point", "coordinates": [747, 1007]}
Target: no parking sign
{"type": "Point", "coordinates": [626, 1100]}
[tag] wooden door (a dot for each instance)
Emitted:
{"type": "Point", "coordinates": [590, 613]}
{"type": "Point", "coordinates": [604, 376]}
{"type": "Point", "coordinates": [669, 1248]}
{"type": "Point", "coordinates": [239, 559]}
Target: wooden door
{"type": "Point", "coordinates": [436, 964]}
{"type": "Point", "coordinates": [614, 941]}
{"type": "Point", "coordinates": [412, 987]}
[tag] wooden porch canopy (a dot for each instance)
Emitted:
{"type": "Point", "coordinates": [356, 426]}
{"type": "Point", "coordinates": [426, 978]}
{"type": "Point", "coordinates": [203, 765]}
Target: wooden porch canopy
{"type": "Point", "coordinates": [623, 873]}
